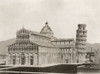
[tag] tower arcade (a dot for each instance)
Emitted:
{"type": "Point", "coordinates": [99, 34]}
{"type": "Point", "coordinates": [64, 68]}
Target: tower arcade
{"type": "Point", "coordinates": [81, 35]}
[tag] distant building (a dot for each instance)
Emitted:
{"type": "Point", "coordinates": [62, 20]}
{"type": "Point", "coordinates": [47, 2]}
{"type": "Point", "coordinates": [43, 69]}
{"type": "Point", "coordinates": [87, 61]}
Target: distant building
{"type": "Point", "coordinates": [33, 48]}
{"type": "Point", "coordinates": [2, 59]}
{"type": "Point", "coordinates": [97, 56]}
{"type": "Point", "coordinates": [90, 57]}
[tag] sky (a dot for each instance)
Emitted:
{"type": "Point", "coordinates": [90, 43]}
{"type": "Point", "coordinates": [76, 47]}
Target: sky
{"type": "Point", "coordinates": [63, 16]}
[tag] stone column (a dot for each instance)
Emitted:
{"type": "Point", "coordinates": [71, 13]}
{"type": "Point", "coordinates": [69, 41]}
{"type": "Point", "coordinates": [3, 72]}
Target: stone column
{"type": "Point", "coordinates": [11, 59]}
{"type": "Point", "coordinates": [35, 59]}
{"type": "Point", "coordinates": [17, 59]}
{"type": "Point", "coordinates": [27, 58]}
{"type": "Point", "coordinates": [8, 59]}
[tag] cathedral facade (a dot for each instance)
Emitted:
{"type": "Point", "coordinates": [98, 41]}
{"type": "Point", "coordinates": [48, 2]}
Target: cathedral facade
{"type": "Point", "coordinates": [33, 48]}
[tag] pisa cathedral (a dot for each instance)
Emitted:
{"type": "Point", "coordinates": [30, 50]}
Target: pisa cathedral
{"type": "Point", "coordinates": [33, 48]}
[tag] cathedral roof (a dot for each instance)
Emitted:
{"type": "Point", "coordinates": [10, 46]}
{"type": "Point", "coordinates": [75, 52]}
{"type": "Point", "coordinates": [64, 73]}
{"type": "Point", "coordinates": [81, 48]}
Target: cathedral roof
{"type": "Point", "coordinates": [39, 34]}
{"type": "Point", "coordinates": [68, 39]}
{"type": "Point", "coordinates": [45, 44]}
{"type": "Point", "coordinates": [46, 29]}
{"type": "Point", "coordinates": [24, 31]}
{"type": "Point", "coordinates": [15, 44]}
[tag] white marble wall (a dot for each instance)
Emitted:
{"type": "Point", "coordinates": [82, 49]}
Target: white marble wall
{"type": "Point", "coordinates": [10, 58]}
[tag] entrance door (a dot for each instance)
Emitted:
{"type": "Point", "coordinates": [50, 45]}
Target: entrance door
{"type": "Point", "coordinates": [22, 59]}
{"type": "Point", "coordinates": [66, 60]}
{"type": "Point", "coordinates": [14, 60]}
{"type": "Point", "coordinates": [31, 60]}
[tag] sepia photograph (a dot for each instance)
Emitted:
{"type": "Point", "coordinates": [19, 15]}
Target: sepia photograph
{"type": "Point", "coordinates": [49, 36]}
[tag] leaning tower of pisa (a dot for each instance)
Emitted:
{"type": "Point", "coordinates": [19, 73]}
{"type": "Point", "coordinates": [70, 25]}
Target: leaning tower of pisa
{"type": "Point", "coordinates": [81, 37]}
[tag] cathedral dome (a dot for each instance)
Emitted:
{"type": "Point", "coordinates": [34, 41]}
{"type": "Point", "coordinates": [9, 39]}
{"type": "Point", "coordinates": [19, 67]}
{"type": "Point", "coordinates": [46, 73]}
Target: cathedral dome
{"type": "Point", "coordinates": [46, 29]}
